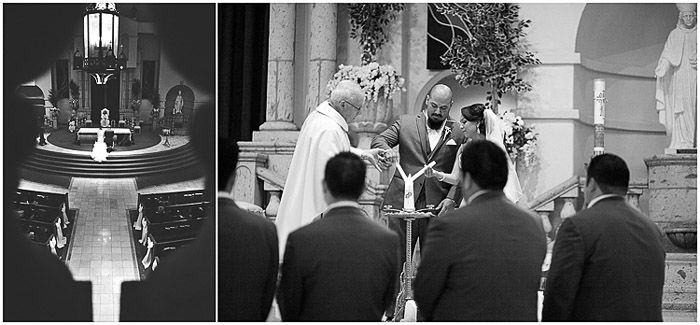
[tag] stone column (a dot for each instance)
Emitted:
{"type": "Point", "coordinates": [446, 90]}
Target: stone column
{"type": "Point", "coordinates": [280, 68]}
{"type": "Point", "coordinates": [321, 65]}
{"type": "Point", "coordinates": [673, 193]}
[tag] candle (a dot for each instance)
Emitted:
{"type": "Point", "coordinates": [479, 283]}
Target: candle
{"type": "Point", "coordinates": [599, 101]}
{"type": "Point", "coordinates": [408, 199]}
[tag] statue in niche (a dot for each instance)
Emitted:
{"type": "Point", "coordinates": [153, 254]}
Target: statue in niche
{"type": "Point", "coordinates": [676, 80]}
{"type": "Point", "coordinates": [179, 102]}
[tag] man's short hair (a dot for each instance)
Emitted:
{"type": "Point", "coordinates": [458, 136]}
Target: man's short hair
{"type": "Point", "coordinates": [610, 173]}
{"type": "Point", "coordinates": [486, 163]}
{"type": "Point", "coordinates": [228, 158]}
{"type": "Point", "coordinates": [346, 90]}
{"type": "Point", "coordinates": [345, 176]}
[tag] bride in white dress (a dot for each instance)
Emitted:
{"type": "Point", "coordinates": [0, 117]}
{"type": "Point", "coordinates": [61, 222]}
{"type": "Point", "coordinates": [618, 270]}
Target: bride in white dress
{"type": "Point", "coordinates": [99, 149]}
{"type": "Point", "coordinates": [492, 130]}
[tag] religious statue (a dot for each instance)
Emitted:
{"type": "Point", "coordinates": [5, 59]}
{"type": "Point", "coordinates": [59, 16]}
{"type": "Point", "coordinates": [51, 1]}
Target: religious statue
{"type": "Point", "coordinates": [104, 119]}
{"type": "Point", "coordinates": [179, 102]}
{"type": "Point", "coordinates": [676, 80]}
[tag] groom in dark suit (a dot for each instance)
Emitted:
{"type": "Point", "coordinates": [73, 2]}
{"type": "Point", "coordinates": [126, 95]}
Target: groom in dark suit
{"type": "Point", "coordinates": [341, 267]}
{"type": "Point", "coordinates": [427, 136]}
{"type": "Point", "coordinates": [482, 262]}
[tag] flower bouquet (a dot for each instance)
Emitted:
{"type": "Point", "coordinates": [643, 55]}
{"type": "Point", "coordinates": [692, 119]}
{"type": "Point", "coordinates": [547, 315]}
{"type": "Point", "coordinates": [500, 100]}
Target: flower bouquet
{"type": "Point", "coordinates": [520, 139]}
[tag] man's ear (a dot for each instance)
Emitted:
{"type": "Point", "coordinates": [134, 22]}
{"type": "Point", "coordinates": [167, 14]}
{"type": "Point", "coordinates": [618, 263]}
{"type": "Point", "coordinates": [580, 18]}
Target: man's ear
{"type": "Point", "coordinates": [466, 182]}
{"type": "Point", "coordinates": [325, 186]}
{"type": "Point", "coordinates": [592, 185]}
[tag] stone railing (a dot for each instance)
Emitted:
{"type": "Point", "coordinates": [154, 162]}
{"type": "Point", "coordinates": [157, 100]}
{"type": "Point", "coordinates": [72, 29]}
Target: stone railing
{"type": "Point", "coordinates": [562, 199]}
{"type": "Point", "coordinates": [260, 181]}
{"type": "Point", "coordinates": [566, 198]}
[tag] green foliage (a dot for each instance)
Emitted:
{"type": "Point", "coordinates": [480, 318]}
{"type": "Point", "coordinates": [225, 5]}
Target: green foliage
{"type": "Point", "coordinates": [492, 53]}
{"type": "Point", "coordinates": [57, 94]}
{"type": "Point", "coordinates": [369, 22]}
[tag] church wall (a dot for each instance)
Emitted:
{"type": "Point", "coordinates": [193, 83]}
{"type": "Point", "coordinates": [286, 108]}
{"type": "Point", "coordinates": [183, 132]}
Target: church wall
{"type": "Point", "coordinates": [170, 77]}
{"type": "Point", "coordinates": [627, 64]}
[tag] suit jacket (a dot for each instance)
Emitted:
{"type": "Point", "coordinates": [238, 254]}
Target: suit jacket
{"type": "Point", "coordinates": [607, 265]}
{"type": "Point", "coordinates": [342, 267]}
{"type": "Point", "coordinates": [180, 289]}
{"type": "Point", "coordinates": [481, 262]}
{"type": "Point", "coordinates": [248, 264]}
{"type": "Point", "coordinates": [411, 135]}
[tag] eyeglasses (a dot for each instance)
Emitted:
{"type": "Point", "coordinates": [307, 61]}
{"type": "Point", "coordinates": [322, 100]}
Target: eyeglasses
{"type": "Point", "coordinates": [353, 106]}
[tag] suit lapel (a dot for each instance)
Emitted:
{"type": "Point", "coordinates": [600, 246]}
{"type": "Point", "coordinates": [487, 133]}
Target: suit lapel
{"type": "Point", "coordinates": [423, 134]}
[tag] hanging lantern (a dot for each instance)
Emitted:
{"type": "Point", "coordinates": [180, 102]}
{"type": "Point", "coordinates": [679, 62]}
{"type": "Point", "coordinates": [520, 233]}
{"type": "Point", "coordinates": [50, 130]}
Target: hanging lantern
{"type": "Point", "coordinates": [100, 43]}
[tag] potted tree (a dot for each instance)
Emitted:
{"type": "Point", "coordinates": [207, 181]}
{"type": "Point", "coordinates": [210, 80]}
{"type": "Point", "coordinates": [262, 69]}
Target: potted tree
{"type": "Point", "coordinates": [492, 54]}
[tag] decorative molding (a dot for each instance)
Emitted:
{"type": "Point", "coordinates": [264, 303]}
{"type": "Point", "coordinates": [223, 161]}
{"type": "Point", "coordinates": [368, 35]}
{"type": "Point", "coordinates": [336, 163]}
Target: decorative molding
{"type": "Point", "coordinates": [567, 114]}
{"type": "Point", "coordinates": [665, 160]}
{"type": "Point", "coordinates": [552, 58]}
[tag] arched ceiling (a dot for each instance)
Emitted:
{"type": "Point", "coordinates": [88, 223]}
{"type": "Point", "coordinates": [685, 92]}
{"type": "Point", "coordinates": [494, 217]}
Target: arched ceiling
{"type": "Point", "coordinates": [624, 38]}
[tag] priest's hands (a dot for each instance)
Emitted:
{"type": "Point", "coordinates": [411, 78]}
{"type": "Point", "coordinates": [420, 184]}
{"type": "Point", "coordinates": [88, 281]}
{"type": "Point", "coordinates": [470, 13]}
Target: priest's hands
{"type": "Point", "coordinates": [387, 158]}
{"type": "Point", "coordinates": [445, 206]}
{"type": "Point", "coordinates": [374, 156]}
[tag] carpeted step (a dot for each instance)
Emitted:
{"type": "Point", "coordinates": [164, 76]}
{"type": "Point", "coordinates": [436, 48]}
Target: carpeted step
{"type": "Point", "coordinates": [136, 165]}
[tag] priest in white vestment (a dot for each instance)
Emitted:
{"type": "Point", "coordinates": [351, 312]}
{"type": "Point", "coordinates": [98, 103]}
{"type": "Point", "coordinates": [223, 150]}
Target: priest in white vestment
{"type": "Point", "coordinates": [323, 135]}
{"type": "Point", "coordinates": [676, 85]}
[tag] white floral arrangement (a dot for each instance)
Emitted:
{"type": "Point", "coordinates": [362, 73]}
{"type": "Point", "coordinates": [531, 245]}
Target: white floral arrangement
{"type": "Point", "coordinates": [521, 140]}
{"type": "Point", "coordinates": [376, 80]}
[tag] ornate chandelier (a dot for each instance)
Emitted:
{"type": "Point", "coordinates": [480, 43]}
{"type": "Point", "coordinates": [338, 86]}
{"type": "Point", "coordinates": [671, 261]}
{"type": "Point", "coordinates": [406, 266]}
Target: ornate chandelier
{"type": "Point", "coordinates": [100, 39]}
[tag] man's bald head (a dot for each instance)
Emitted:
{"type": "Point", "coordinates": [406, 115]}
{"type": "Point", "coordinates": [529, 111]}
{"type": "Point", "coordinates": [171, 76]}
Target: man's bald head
{"type": "Point", "coordinates": [441, 93]}
{"type": "Point", "coordinates": [347, 98]}
{"type": "Point", "coordinates": [438, 104]}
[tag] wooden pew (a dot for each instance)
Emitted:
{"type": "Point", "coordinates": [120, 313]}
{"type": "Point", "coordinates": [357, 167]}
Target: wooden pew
{"type": "Point", "coordinates": [170, 198]}
{"type": "Point", "coordinates": [42, 198]}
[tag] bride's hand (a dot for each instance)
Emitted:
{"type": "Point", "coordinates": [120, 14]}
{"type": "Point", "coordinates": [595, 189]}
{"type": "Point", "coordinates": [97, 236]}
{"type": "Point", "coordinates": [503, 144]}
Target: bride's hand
{"type": "Point", "coordinates": [430, 172]}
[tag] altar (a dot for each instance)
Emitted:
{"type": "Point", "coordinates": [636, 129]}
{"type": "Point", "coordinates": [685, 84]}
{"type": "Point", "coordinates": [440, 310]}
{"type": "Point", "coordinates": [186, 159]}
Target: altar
{"type": "Point", "coordinates": [122, 134]}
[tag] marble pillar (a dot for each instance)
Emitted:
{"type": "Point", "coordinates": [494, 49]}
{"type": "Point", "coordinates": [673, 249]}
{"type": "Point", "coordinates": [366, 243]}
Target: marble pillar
{"type": "Point", "coordinates": [280, 68]}
{"type": "Point", "coordinates": [321, 65]}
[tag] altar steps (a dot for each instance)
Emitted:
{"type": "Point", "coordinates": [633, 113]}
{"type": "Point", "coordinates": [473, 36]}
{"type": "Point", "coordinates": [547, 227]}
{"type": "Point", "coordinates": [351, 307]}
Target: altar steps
{"type": "Point", "coordinates": [116, 166]}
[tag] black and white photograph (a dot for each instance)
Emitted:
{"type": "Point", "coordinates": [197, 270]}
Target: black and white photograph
{"type": "Point", "coordinates": [522, 162]}
{"type": "Point", "coordinates": [109, 164]}
{"type": "Point", "coordinates": [350, 162]}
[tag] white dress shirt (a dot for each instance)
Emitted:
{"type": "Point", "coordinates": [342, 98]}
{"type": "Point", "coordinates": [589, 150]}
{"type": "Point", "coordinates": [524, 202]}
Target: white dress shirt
{"type": "Point", "coordinates": [434, 135]}
{"type": "Point", "coordinates": [600, 198]}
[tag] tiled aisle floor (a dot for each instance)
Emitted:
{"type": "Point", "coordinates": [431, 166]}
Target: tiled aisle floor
{"type": "Point", "coordinates": [101, 250]}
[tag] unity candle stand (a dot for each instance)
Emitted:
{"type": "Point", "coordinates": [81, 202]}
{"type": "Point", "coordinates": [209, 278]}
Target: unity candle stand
{"type": "Point", "coordinates": [405, 296]}
{"type": "Point", "coordinates": [405, 307]}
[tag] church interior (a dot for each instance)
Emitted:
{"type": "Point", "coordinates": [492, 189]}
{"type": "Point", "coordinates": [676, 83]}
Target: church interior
{"type": "Point", "coordinates": [114, 186]}
{"type": "Point", "coordinates": [592, 90]}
